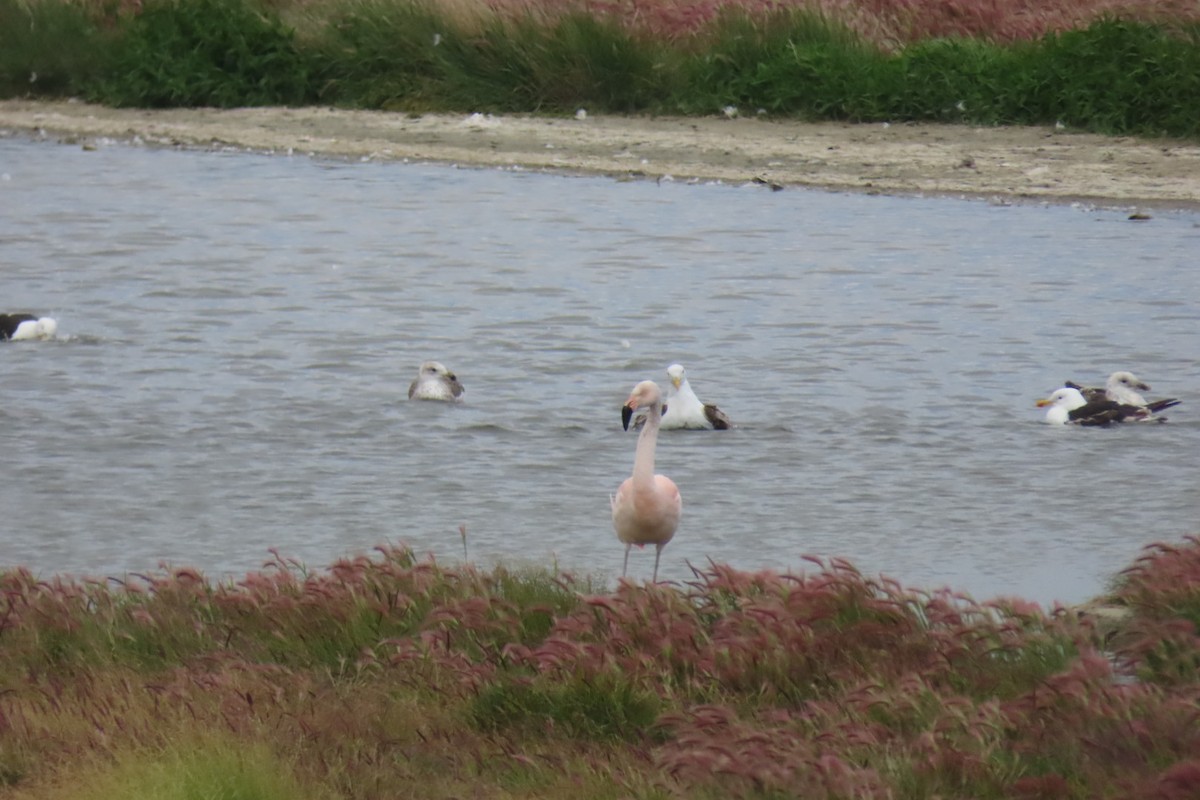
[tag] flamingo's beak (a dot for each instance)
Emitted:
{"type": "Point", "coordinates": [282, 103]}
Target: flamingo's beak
{"type": "Point", "coordinates": [626, 415]}
{"type": "Point", "coordinates": [1043, 402]}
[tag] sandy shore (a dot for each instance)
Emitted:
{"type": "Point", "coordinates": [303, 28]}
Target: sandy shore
{"type": "Point", "coordinates": [1032, 164]}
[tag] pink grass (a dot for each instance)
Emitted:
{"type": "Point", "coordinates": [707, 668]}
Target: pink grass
{"type": "Point", "coordinates": [889, 23]}
{"type": "Point", "coordinates": [829, 684]}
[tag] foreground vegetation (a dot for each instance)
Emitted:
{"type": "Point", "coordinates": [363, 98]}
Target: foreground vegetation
{"type": "Point", "coordinates": [389, 676]}
{"type": "Point", "coordinates": [1112, 66]}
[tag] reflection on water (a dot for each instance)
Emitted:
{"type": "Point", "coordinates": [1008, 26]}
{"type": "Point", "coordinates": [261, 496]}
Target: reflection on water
{"type": "Point", "coordinates": [239, 333]}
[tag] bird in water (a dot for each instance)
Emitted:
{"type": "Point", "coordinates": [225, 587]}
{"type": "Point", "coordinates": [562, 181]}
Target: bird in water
{"type": "Point", "coordinates": [646, 507]}
{"type": "Point", "coordinates": [1069, 406]}
{"type": "Point", "coordinates": [26, 326]}
{"type": "Point", "coordinates": [684, 409]}
{"type": "Point", "coordinates": [1125, 388]}
{"type": "Point", "coordinates": [435, 382]}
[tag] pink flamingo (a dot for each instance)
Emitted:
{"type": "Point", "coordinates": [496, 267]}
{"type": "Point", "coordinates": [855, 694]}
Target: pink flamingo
{"type": "Point", "coordinates": [647, 507]}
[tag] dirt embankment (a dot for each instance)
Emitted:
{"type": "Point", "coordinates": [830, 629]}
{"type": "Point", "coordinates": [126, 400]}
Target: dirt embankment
{"type": "Point", "coordinates": [1007, 163]}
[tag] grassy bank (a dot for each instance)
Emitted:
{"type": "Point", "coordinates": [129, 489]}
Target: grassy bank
{"type": "Point", "coordinates": [389, 676]}
{"type": "Point", "coordinates": [1106, 67]}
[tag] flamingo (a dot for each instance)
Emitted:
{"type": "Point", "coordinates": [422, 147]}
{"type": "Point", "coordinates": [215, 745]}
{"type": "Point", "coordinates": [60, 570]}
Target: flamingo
{"type": "Point", "coordinates": [435, 382]}
{"type": "Point", "coordinates": [646, 507]}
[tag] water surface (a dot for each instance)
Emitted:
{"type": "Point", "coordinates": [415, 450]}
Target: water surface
{"type": "Point", "coordinates": [238, 333]}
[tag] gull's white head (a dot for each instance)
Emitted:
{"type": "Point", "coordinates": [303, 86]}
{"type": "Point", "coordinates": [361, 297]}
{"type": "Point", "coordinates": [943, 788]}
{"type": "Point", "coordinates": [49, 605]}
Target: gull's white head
{"type": "Point", "coordinates": [676, 374]}
{"type": "Point", "coordinates": [1062, 402]}
{"type": "Point", "coordinates": [1124, 387]}
{"type": "Point", "coordinates": [47, 327]}
{"type": "Point", "coordinates": [43, 328]}
{"type": "Point", "coordinates": [434, 369]}
{"type": "Point", "coordinates": [435, 382]}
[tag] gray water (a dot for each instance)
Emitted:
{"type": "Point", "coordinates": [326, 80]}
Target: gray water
{"type": "Point", "coordinates": [237, 333]}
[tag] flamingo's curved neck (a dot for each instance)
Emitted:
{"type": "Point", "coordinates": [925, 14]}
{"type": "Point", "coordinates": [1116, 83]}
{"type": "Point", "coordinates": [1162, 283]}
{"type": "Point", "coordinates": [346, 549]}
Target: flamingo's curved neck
{"type": "Point", "coordinates": [643, 459]}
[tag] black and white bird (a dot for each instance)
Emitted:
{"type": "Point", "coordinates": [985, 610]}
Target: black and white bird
{"type": "Point", "coordinates": [684, 408]}
{"type": "Point", "coordinates": [18, 327]}
{"type": "Point", "coordinates": [1125, 388]}
{"type": "Point", "coordinates": [1068, 406]}
{"type": "Point", "coordinates": [435, 382]}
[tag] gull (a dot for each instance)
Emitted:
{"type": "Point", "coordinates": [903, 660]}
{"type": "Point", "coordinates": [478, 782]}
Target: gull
{"type": "Point", "coordinates": [684, 409]}
{"type": "Point", "coordinates": [1068, 406]}
{"type": "Point", "coordinates": [646, 507]}
{"type": "Point", "coordinates": [435, 382]}
{"type": "Point", "coordinates": [1123, 387]}
{"type": "Point", "coordinates": [26, 326]}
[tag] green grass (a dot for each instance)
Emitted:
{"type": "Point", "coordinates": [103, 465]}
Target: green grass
{"type": "Point", "coordinates": [220, 53]}
{"type": "Point", "coordinates": [609, 708]}
{"type": "Point", "coordinates": [50, 49]}
{"type": "Point", "coordinates": [1115, 76]}
{"type": "Point", "coordinates": [193, 768]}
{"type": "Point", "coordinates": [1120, 77]}
{"type": "Point", "coordinates": [789, 63]}
{"type": "Point", "coordinates": [384, 55]}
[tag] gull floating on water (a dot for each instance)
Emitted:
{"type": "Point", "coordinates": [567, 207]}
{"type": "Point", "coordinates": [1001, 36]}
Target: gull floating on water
{"type": "Point", "coordinates": [435, 382]}
{"type": "Point", "coordinates": [19, 327]}
{"type": "Point", "coordinates": [1123, 387]}
{"type": "Point", "coordinates": [683, 409]}
{"type": "Point", "coordinates": [1068, 406]}
{"type": "Point", "coordinates": [646, 507]}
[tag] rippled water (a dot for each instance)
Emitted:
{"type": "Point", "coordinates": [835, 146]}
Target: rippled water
{"type": "Point", "coordinates": [238, 333]}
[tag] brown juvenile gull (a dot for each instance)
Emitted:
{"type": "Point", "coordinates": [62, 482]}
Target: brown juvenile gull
{"type": "Point", "coordinates": [435, 382]}
{"type": "Point", "coordinates": [1123, 387]}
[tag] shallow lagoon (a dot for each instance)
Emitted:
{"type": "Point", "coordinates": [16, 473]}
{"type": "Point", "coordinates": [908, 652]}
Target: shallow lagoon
{"type": "Point", "coordinates": [238, 333]}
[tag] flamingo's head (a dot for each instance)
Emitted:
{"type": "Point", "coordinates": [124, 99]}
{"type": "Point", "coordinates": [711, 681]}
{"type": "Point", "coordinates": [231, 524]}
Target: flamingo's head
{"type": "Point", "coordinates": [645, 395]}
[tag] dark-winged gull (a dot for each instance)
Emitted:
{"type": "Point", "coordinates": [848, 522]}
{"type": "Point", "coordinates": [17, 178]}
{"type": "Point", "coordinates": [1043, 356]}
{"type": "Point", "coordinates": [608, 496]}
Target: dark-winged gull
{"type": "Point", "coordinates": [685, 410]}
{"type": "Point", "coordinates": [1068, 406]}
{"type": "Point", "coordinates": [26, 326]}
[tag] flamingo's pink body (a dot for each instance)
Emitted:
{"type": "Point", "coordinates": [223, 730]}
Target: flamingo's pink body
{"type": "Point", "coordinates": [647, 507]}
